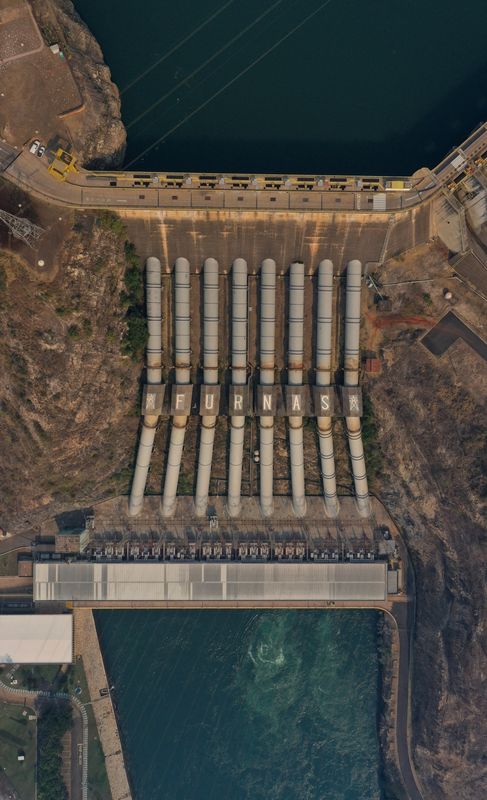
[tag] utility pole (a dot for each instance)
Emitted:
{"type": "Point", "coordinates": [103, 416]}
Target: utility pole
{"type": "Point", "coordinates": [22, 228]}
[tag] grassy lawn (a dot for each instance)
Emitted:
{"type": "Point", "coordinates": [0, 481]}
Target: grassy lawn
{"type": "Point", "coordinates": [73, 681]}
{"type": "Point", "coordinates": [18, 734]}
{"type": "Point", "coordinates": [36, 677]}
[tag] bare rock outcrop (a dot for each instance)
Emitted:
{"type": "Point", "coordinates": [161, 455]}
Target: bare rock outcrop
{"type": "Point", "coordinates": [99, 134]}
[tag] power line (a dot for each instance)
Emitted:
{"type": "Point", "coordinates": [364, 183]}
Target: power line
{"type": "Point", "coordinates": [229, 83]}
{"type": "Point", "coordinates": [177, 46]}
{"type": "Point", "coordinates": [202, 66]}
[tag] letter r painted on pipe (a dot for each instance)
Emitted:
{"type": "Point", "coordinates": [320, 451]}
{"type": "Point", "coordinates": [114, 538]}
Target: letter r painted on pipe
{"type": "Point", "coordinates": [238, 401]}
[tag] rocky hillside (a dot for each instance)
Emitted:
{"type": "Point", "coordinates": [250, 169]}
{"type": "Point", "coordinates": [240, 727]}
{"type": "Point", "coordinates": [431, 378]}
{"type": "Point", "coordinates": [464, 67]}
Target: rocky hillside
{"type": "Point", "coordinates": [432, 422]}
{"type": "Point", "coordinates": [68, 393]}
{"type": "Point", "coordinates": [98, 133]}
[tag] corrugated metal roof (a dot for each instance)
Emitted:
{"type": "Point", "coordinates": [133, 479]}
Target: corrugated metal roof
{"type": "Point", "coordinates": [233, 581]}
{"type": "Point", "coordinates": [36, 639]}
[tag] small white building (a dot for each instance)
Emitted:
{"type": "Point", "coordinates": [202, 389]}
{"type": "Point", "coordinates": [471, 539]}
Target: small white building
{"type": "Point", "coordinates": [36, 639]}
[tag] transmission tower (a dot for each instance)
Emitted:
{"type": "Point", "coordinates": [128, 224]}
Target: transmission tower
{"type": "Point", "coordinates": [22, 228]}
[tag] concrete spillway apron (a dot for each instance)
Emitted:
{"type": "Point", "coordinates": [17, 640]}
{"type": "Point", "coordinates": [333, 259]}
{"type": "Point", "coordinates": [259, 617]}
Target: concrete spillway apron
{"type": "Point", "coordinates": [267, 361]}
{"type": "Point", "coordinates": [210, 377]}
{"type": "Point", "coordinates": [154, 376]}
{"type": "Point", "coordinates": [183, 369]}
{"type": "Point", "coordinates": [352, 362]}
{"type": "Point", "coordinates": [323, 378]}
{"type": "Point", "coordinates": [295, 378]}
{"type": "Point", "coordinates": [239, 378]}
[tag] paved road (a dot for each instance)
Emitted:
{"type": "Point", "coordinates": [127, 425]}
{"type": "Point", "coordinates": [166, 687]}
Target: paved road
{"type": "Point", "coordinates": [403, 613]}
{"type": "Point", "coordinates": [119, 190]}
{"type": "Point", "coordinates": [31, 174]}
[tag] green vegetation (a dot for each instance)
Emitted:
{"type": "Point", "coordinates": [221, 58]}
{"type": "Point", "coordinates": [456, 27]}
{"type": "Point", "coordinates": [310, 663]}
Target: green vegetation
{"type": "Point", "coordinates": [109, 221]}
{"type": "Point", "coordinates": [73, 332]}
{"type": "Point", "coordinates": [427, 299]}
{"type": "Point", "coordinates": [18, 363]}
{"type": "Point", "coordinates": [8, 564]}
{"type": "Point", "coordinates": [98, 787]}
{"type": "Point", "coordinates": [17, 736]}
{"type": "Point", "coordinates": [135, 337]}
{"type": "Point", "coordinates": [55, 718]}
{"type": "Point", "coordinates": [373, 455]}
{"type": "Point", "coordinates": [37, 677]}
{"type": "Point", "coordinates": [185, 483]}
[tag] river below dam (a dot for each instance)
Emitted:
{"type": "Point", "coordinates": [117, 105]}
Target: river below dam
{"type": "Point", "coordinates": [267, 86]}
{"type": "Point", "coordinates": [246, 705]}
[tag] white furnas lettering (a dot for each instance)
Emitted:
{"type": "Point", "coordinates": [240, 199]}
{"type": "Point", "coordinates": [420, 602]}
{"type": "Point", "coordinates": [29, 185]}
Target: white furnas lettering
{"type": "Point", "coordinates": [325, 402]}
{"type": "Point", "coordinates": [354, 405]}
{"type": "Point", "coordinates": [209, 402]}
{"type": "Point", "coordinates": [267, 402]}
{"type": "Point", "coordinates": [238, 402]}
{"type": "Point", "coordinates": [296, 404]}
{"type": "Point", "coordinates": [150, 402]}
{"type": "Point", "coordinates": [179, 401]}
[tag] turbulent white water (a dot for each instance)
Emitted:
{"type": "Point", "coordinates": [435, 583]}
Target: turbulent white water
{"type": "Point", "coordinates": [246, 706]}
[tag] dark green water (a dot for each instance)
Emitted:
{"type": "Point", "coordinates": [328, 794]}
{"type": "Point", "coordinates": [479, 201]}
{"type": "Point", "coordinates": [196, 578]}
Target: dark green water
{"type": "Point", "coordinates": [241, 705]}
{"type": "Point", "coordinates": [362, 86]}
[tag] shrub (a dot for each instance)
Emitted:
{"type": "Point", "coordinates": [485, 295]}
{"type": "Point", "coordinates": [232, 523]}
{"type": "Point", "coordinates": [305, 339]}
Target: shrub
{"type": "Point", "coordinates": [373, 455]}
{"type": "Point", "coordinates": [134, 285]}
{"type": "Point", "coordinates": [73, 332]}
{"type": "Point", "coordinates": [135, 337]}
{"type": "Point", "coordinates": [55, 719]}
{"type": "Point", "coordinates": [109, 221]}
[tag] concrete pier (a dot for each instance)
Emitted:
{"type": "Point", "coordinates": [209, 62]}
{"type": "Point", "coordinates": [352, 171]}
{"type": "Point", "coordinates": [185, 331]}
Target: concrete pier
{"type": "Point", "coordinates": [87, 646]}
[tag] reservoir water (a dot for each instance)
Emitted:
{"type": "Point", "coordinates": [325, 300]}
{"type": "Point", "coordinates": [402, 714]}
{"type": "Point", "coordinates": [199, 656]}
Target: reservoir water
{"type": "Point", "coordinates": [381, 86]}
{"type": "Point", "coordinates": [246, 705]}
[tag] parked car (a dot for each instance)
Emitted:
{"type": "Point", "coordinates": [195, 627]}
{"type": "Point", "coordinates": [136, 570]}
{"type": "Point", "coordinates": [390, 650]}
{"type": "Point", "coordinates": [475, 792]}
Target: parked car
{"type": "Point", "coordinates": [34, 146]}
{"type": "Point", "coordinates": [41, 150]}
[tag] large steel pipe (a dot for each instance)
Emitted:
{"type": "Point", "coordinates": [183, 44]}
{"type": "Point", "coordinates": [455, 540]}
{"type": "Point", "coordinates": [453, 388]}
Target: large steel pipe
{"type": "Point", "coordinates": [183, 368]}
{"type": "Point", "coordinates": [352, 363]}
{"type": "Point", "coordinates": [239, 378]}
{"type": "Point", "coordinates": [154, 376]}
{"type": "Point", "coordinates": [323, 378]}
{"type": "Point", "coordinates": [267, 362]}
{"type": "Point", "coordinates": [295, 378]}
{"type": "Point", "coordinates": [210, 377]}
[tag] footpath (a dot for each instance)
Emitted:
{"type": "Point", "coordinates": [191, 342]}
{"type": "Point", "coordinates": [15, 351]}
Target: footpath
{"type": "Point", "coordinates": [87, 646]}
